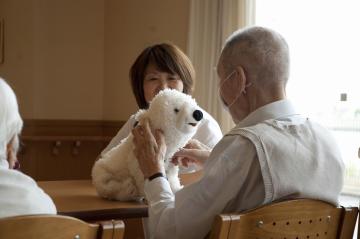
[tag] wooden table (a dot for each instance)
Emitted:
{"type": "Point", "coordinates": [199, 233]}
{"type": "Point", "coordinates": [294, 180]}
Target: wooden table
{"type": "Point", "coordinates": [78, 198]}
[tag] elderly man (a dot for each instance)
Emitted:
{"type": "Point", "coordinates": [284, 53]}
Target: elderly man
{"type": "Point", "coordinates": [19, 193]}
{"type": "Point", "coordinates": [272, 153]}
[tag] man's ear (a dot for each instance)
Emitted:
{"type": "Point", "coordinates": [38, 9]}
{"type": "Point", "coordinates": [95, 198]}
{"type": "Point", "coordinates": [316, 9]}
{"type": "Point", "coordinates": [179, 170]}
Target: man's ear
{"type": "Point", "coordinates": [11, 154]}
{"type": "Point", "coordinates": [242, 78]}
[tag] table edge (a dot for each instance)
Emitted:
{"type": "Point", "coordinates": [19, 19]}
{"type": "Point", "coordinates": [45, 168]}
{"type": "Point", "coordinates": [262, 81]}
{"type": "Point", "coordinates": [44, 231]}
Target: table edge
{"type": "Point", "coordinates": [108, 214]}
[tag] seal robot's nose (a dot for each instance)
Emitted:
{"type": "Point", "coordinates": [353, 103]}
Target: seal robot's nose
{"type": "Point", "coordinates": [198, 115]}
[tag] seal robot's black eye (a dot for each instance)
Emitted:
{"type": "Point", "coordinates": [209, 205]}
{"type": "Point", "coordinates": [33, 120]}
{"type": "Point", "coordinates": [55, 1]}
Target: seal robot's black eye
{"type": "Point", "coordinates": [197, 115]}
{"type": "Point", "coordinates": [176, 110]}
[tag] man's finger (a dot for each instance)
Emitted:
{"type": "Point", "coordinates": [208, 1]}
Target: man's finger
{"type": "Point", "coordinates": [175, 160]}
{"type": "Point", "coordinates": [187, 153]}
{"type": "Point", "coordinates": [146, 126]}
{"type": "Point", "coordinates": [136, 132]}
{"type": "Point", "coordinates": [160, 139]}
{"type": "Point", "coordinates": [159, 136]}
{"type": "Point", "coordinates": [195, 144]}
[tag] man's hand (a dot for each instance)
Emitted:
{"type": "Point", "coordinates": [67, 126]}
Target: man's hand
{"type": "Point", "coordinates": [194, 152]}
{"type": "Point", "coordinates": [149, 149]}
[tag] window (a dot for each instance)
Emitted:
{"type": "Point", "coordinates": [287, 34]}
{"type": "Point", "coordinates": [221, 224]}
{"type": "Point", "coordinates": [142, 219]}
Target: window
{"type": "Point", "coordinates": [324, 43]}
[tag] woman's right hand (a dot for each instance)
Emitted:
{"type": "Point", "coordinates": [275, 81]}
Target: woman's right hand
{"type": "Point", "coordinates": [194, 152]}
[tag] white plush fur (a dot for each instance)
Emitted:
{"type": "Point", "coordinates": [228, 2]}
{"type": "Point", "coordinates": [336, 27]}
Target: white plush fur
{"type": "Point", "coordinates": [117, 175]}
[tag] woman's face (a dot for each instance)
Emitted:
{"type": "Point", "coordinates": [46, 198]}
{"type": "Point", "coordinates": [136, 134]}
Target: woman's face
{"type": "Point", "coordinates": [156, 80]}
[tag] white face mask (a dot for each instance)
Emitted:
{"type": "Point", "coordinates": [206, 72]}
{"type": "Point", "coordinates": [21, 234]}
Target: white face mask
{"type": "Point", "coordinates": [227, 107]}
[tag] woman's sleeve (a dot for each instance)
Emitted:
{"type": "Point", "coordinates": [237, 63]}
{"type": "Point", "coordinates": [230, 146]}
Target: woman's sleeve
{"type": "Point", "coordinates": [122, 134]}
{"type": "Point", "coordinates": [209, 132]}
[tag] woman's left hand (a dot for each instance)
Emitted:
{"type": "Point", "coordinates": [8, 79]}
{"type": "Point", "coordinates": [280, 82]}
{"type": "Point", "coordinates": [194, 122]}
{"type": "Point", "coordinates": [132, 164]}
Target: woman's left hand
{"type": "Point", "coordinates": [149, 149]}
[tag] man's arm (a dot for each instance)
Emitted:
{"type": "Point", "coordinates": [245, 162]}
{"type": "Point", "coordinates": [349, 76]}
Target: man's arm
{"type": "Point", "coordinates": [190, 212]}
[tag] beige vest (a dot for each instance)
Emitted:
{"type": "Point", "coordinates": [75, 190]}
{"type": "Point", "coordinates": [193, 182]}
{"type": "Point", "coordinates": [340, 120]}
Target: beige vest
{"type": "Point", "coordinates": [297, 160]}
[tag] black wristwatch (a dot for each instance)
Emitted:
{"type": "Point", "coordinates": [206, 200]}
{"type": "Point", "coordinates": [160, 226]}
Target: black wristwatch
{"type": "Point", "coordinates": [156, 175]}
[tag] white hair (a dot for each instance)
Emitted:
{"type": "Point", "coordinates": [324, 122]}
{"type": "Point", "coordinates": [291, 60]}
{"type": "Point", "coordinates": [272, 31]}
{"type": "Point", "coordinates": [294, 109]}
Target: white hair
{"type": "Point", "coordinates": [10, 120]}
{"type": "Point", "coordinates": [263, 53]}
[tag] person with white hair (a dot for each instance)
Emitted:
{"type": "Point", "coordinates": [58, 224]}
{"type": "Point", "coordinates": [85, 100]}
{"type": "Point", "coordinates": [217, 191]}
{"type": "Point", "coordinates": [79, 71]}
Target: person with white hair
{"type": "Point", "coordinates": [273, 152]}
{"type": "Point", "coordinates": [19, 193]}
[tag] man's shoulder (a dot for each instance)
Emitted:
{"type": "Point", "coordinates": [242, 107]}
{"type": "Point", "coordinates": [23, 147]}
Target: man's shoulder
{"type": "Point", "coordinates": [281, 129]}
{"type": "Point", "coordinates": [233, 143]}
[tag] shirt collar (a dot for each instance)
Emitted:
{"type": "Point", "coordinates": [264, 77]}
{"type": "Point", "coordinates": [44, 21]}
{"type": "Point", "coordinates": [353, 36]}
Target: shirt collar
{"type": "Point", "coordinates": [274, 110]}
{"type": "Point", "coordinates": [4, 163]}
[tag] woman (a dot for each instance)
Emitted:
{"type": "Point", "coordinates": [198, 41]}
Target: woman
{"type": "Point", "coordinates": [160, 67]}
{"type": "Point", "coordinates": [20, 194]}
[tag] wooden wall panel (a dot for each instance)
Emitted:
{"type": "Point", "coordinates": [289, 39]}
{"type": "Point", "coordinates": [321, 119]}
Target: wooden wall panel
{"type": "Point", "coordinates": [63, 149]}
{"type": "Point", "coordinates": [2, 32]}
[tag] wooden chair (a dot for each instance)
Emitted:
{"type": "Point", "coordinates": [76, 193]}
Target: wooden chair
{"type": "Point", "coordinates": [58, 227]}
{"type": "Point", "coordinates": [293, 219]}
{"type": "Point", "coordinates": [358, 226]}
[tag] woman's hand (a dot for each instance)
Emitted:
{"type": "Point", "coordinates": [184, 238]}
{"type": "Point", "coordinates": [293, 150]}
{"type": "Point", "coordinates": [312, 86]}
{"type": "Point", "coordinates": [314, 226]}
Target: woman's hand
{"type": "Point", "coordinates": [194, 152]}
{"type": "Point", "coordinates": [149, 149]}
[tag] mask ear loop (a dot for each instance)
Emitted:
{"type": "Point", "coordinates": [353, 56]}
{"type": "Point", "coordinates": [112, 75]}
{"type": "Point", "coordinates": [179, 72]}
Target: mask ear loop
{"type": "Point", "coordinates": [238, 95]}
{"type": "Point", "coordinates": [242, 83]}
{"type": "Point", "coordinates": [243, 87]}
{"type": "Point", "coordinates": [221, 85]}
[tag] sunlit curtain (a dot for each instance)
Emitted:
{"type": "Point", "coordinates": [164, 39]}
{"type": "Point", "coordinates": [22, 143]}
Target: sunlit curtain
{"type": "Point", "coordinates": [211, 22]}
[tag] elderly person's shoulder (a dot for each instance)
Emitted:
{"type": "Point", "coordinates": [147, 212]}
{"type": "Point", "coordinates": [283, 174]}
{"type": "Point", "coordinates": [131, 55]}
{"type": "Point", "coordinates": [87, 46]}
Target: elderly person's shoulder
{"type": "Point", "coordinates": [20, 195]}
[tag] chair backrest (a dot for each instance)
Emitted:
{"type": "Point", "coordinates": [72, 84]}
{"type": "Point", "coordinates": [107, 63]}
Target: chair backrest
{"type": "Point", "coordinates": [358, 226]}
{"type": "Point", "coordinates": [58, 227]}
{"type": "Point", "coordinates": [293, 219]}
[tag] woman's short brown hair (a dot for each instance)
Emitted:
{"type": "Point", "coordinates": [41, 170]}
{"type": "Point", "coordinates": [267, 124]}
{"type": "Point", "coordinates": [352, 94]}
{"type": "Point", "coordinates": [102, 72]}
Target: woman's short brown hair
{"type": "Point", "coordinates": [168, 58]}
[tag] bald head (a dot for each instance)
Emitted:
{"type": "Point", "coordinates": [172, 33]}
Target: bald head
{"type": "Point", "coordinates": [263, 53]}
